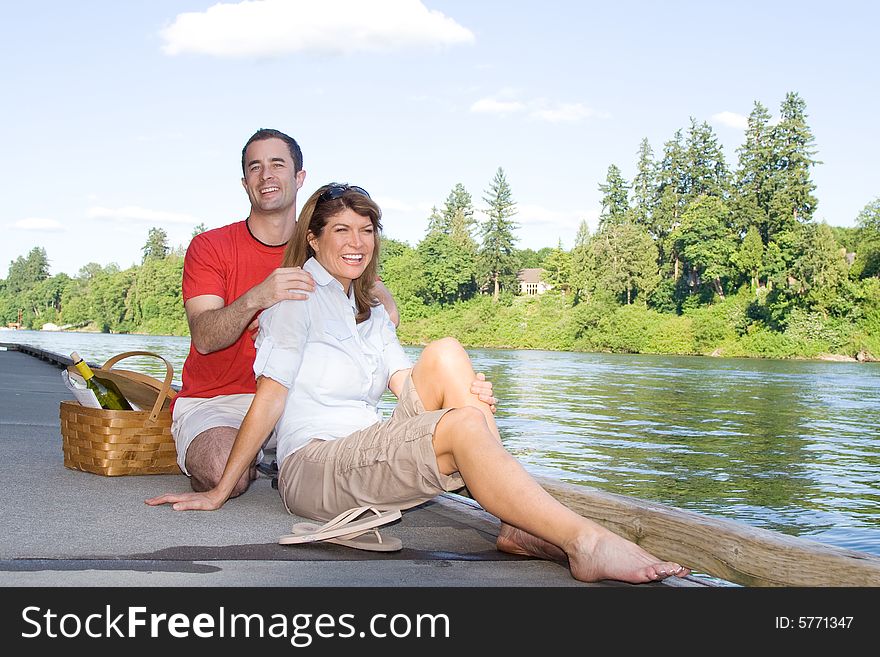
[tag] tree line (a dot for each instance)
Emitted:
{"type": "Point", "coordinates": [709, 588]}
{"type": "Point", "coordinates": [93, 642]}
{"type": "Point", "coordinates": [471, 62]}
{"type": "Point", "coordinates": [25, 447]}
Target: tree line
{"type": "Point", "coordinates": [690, 256]}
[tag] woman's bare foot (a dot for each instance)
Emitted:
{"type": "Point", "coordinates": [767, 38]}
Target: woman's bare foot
{"type": "Point", "coordinates": [605, 555]}
{"type": "Point", "coordinates": [515, 541]}
{"type": "Point", "coordinates": [599, 555]}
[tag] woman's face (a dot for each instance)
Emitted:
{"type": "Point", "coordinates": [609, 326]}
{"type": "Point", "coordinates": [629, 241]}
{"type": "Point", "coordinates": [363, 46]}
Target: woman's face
{"type": "Point", "coordinates": [346, 246]}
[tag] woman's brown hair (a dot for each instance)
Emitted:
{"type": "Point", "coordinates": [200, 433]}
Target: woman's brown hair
{"type": "Point", "coordinates": [314, 217]}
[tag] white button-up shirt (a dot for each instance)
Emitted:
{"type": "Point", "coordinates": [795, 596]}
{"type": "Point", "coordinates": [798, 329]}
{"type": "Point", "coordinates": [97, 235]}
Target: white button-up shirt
{"type": "Point", "coordinates": [334, 369]}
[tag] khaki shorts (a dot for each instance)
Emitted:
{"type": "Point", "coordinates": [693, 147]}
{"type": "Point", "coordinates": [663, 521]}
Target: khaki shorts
{"type": "Point", "coordinates": [389, 465]}
{"type": "Point", "coordinates": [194, 415]}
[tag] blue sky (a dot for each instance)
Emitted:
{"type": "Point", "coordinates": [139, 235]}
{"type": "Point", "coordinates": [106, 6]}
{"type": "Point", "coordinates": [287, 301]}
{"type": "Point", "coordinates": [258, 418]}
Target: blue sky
{"type": "Point", "coordinates": [122, 116]}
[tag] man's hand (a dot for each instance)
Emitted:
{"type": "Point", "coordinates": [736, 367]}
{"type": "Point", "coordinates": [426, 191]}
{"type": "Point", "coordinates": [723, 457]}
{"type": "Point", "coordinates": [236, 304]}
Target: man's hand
{"type": "Point", "coordinates": [384, 296]}
{"type": "Point", "coordinates": [207, 501]}
{"type": "Point", "coordinates": [483, 389]}
{"type": "Point", "coordinates": [283, 283]}
{"type": "Point", "coordinates": [214, 326]}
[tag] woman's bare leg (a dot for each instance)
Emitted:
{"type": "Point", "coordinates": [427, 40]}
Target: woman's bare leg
{"type": "Point", "coordinates": [443, 376]}
{"type": "Point", "coordinates": [535, 523]}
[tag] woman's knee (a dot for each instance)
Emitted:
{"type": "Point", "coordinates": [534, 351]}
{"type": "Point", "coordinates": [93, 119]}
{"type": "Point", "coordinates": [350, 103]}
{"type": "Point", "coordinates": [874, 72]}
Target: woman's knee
{"type": "Point", "coordinates": [444, 351]}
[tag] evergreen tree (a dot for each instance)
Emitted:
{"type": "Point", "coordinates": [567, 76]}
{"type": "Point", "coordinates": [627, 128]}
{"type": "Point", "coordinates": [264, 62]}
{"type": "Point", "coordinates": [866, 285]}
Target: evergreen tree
{"type": "Point", "coordinates": [705, 170]}
{"type": "Point", "coordinates": [615, 198]}
{"type": "Point", "coordinates": [643, 192]}
{"type": "Point", "coordinates": [157, 244]}
{"type": "Point", "coordinates": [448, 269]}
{"type": "Point", "coordinates": [199, 229]}
{"type": "Point", "coordinates": [435, 222]}
{"type": "Point", "coordinates": [624, 261]}
{"type": "Point", "coordinates": [706, 244]}
{"type": "Point", "coordinates": [458, 211]}
{"type": "Point", "coordinates": [819, 267]}
{"type": "Point", "coordinates": [669, 202]}
{"type": "Point", "coordinates": [499, 265]}
{"type": "Point", "coordinates": [750, 256]}
{"type": "Point", "coordinates": [867, 259]}
{"type": "Point", "coordinates": [26, 272]}
{"type": "Point", "coordinates": [529, 258]}
{"type": "Point", "coordinates": [754, 177]}
{"type": "Point", "coordinates": [557, 269]}
{"type": "Point", "coordinates": [792, 199]}
{"type": "Point", "coordinates": [581, 266]}
{"type": "Point", "coordinates": [583, 235]}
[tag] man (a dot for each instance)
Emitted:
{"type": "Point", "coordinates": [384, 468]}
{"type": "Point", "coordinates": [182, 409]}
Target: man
{"type": "Point", "coordinates": [230, 275]}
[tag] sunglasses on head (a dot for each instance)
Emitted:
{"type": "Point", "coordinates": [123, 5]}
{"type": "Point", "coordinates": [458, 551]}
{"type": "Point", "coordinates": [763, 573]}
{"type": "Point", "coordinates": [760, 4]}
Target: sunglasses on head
{"type": "Point", "coordinates": [335, 190]}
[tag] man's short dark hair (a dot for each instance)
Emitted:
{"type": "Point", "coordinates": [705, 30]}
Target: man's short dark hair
{"type": "Point", "coordinates": [269, 133]}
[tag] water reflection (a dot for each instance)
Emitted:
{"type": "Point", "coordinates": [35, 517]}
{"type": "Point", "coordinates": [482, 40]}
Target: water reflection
{"type": "Point", "coordinates": [792, 446]}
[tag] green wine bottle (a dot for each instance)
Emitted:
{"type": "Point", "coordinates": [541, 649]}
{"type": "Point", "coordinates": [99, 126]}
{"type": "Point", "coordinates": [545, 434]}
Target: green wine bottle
{"type": "Point", "coordinates": [105, 390]}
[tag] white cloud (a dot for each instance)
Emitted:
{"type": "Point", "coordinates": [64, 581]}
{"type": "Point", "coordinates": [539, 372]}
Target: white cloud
{"type": "Point", "coordinates": [731, 120]}
{"type": "Point", "coordinates": [259, 28]}
{"type": "Point", "coordinates": [39, 224]}
{"type": "Point", "coordinates": [389, 204]}
{"type": "Point", "coordinates": [539, 108]}
{"type": "Point", "coordinates": [493, 106]}
{"type": "Point", "coordinates": [141, 215]}
{"type": "Point", "coordinates": [567, 112]}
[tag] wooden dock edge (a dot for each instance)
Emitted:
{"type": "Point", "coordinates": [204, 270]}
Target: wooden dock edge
{"type": "Point", "coordinates": [726, 549]}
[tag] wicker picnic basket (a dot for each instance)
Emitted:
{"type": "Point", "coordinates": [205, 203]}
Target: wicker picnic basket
{"type": "Point", "coordinates": [114, 443]}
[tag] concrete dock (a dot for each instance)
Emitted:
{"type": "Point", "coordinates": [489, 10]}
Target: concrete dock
{"type": "Point", "coordinates": [69, 528]}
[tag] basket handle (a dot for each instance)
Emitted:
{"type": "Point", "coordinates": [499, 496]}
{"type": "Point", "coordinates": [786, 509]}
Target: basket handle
{"type": "Point", "coordinates": [166, 384]}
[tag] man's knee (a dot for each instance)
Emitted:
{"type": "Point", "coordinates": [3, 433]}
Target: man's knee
{"type": "Point", "coordinates": [206, 456]}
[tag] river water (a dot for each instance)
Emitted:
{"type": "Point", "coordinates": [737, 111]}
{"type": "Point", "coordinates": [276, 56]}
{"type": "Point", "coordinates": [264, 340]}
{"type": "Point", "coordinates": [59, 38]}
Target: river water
{"type": "Point", "coordinates": [792, 446]}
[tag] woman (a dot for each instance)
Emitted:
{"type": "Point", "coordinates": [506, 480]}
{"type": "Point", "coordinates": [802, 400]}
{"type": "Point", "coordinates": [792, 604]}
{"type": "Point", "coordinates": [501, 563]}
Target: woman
{"type": "Point", "coordinates": [329, 359]}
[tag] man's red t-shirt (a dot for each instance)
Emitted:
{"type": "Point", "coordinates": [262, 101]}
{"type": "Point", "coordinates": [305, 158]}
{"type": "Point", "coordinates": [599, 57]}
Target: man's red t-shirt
{"type": "Point", "coordinates": [225, 262]}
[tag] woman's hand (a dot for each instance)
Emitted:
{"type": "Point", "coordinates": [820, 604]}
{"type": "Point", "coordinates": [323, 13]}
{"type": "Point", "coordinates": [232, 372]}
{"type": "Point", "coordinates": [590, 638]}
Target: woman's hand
{"type": "Point", "coordinates": [483, 389]}
{"type": "Point", "coordinates": [207, 501]}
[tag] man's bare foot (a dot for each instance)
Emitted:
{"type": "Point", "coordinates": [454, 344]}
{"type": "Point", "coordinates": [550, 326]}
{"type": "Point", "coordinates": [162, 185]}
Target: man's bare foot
{"type": "Point", "coordinates": [600, 555]}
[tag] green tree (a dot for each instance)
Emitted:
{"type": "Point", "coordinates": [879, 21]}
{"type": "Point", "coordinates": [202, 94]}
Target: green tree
{"type": "Point", "coordinates": [157, 244]}
{"type": "Point", "coordinates": [643, 187]}
{"type": "Point", "coordinates": [529, 258]}
{"type": "Point", "coordinates": [199, 229]}
{"type": "Point", "coordinates": [448, 269]}
{"type": "Point", "coordinates": [706, 243]}
{"type": "Point", "coordinates": [706, 172]}
{"type": "Point", "coordinates": [498, 263]}
{"type": "Point", "coordinates": [582, 270]}
{"type": "Point", "coordinates": [557, 269]}
{"type": "Point", "coordinates": [867, 260]}
{"type": "Point", "coordinates": [435, 221]}
{"type": "Point", "coordinates": [754, 176]}
{"type": "Point", "coordinates": [792, 200]}
{"type": "Point", "coordinates": [669, 203]}
{"type": "Point", "coordinates": [458, 211]}
{"type": "Point", "coordinates": [26, 271]}
{"type": "Point", "coordinates": [819, 267]}
{"type": "Point", "coordinates": [615, 198]}
{"type": "Point", "coordinates": [401, 275]}
{"type": "Point", "coordinates": [624, 261]}
{"type": "Point", "coordinates": [154, 303]}
{"type": "Point", "coordinates": [43, 300]}
{"type": "Point", "coordinates": [750, 256]}
{"type": "Point", "coordinates": [869, 217]}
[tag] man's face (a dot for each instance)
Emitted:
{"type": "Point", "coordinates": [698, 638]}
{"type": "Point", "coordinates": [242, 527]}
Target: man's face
{"type": "Point", "coordinates": [270, 180]}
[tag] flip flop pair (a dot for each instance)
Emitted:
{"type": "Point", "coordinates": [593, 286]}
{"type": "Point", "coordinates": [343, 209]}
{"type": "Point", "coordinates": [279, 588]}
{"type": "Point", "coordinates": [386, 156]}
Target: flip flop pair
{"type": "Point", "coordinates": [348, 530]}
